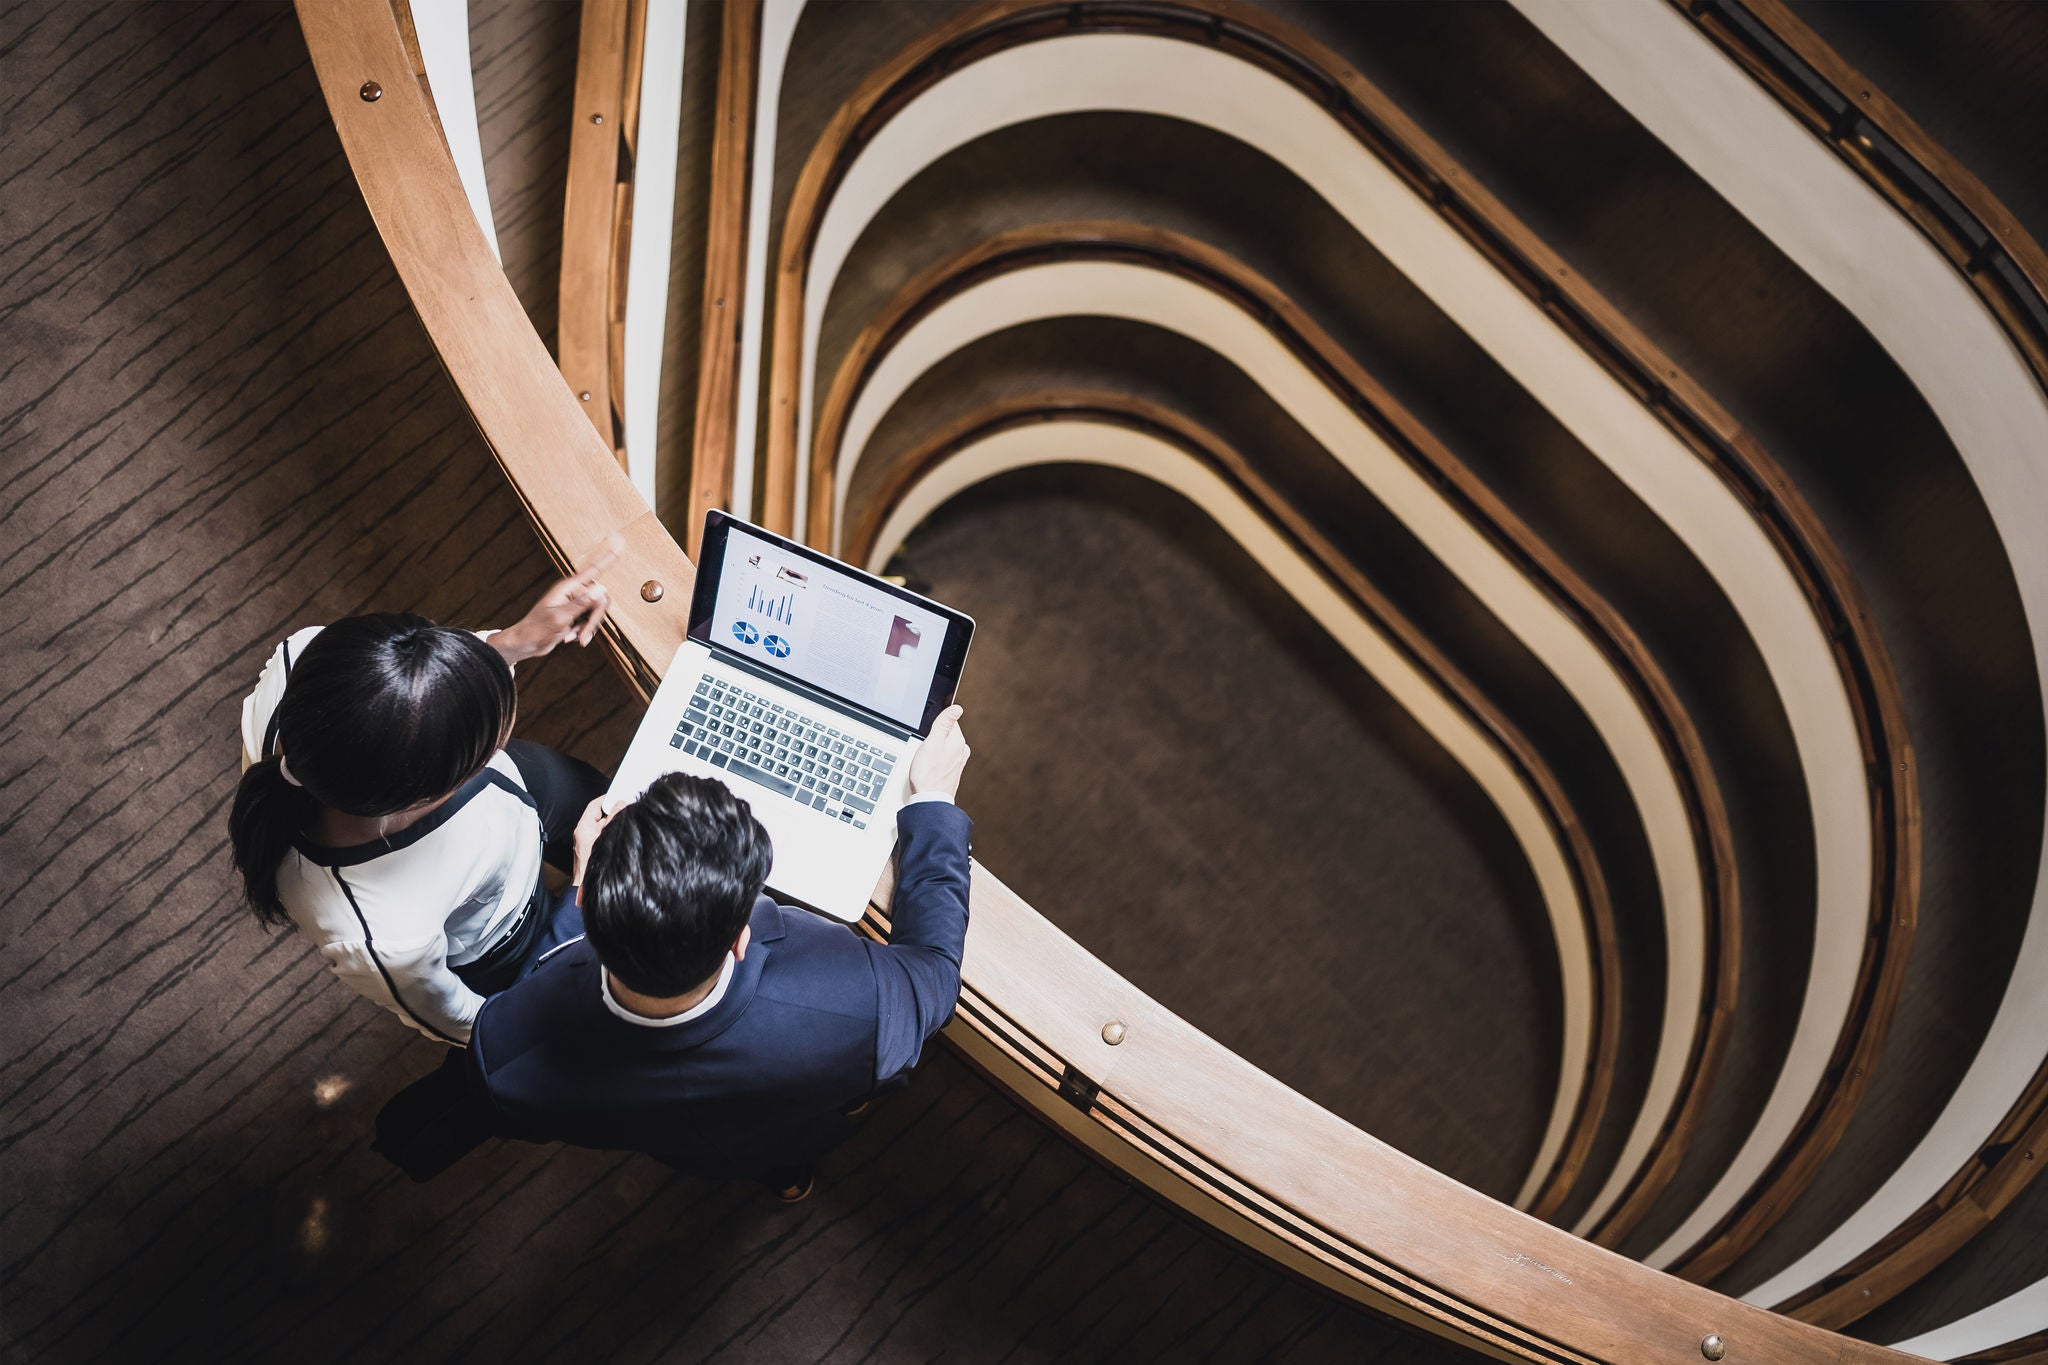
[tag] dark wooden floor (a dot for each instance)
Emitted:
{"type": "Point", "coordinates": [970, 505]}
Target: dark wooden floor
{"type": "Point", "coordinates": [219, 420]}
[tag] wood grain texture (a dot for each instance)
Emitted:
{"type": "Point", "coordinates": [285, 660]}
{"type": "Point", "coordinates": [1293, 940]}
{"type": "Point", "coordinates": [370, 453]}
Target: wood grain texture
{"type": "Point", "coordinates": [219, 421]}
{"type": "Point", "coordinates": [596, 216]}
{"type": "Point", "coordinates": [1410, 641]}
{"type": "Point", "coordinates": [713, 446]}
{"type": "Point", "coordinates": [1177, 253]}
{"type": "Point", "coordinates": [1292, 1155]}
{"type": "Point", "coordinates": [1606, 334]}
{"type": "Point", "coordinates": [2006, 1163]}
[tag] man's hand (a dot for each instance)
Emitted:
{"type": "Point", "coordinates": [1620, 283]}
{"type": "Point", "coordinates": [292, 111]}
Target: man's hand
{"type": "Point", "coordinates": [595, 817]}
{"type": "Point", "coordinates": [939, 761]}
{"type": "Point", "coordinates": [572, 609]}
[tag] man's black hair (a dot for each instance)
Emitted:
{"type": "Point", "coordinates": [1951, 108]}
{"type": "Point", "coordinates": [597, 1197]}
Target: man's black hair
{"type": "Point", "coordinates": [671, 882]}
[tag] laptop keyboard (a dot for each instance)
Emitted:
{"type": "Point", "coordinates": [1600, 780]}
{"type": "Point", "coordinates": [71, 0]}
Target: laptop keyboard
{"type": "Point", "coordinates": [774, 747]}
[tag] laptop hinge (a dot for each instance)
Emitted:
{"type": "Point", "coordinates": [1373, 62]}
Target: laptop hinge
{"type": "Point", "coordinates": [809, 693]}
{"type": "Point", "coordinates": [1078, 1090]}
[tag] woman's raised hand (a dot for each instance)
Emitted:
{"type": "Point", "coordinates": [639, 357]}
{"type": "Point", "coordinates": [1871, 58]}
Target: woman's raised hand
{"type": "Point", "coordinates": [571, 610]}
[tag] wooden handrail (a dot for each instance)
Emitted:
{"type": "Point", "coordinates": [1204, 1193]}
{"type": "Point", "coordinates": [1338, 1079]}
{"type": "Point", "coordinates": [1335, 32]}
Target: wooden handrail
{"type": "Point", "coordinates": [1458, 690]}
{"type": "Point", "coordinates": [1216, 270]}
{"type": "Point", "coordinates": [713, 447]}
{"type": "Point", "coordinates": [2027, 1350]}
{"type": "Point", "coordinates": [597, 212]}
{"type": "Point", "coordinates": [1675, 399]}
{"type": "Point", "coordinates": [961, 439]}
{"type": "Point", "coordinates": [1167, 1103]}
{"type": "Point", "coordinates": [2008, 269]}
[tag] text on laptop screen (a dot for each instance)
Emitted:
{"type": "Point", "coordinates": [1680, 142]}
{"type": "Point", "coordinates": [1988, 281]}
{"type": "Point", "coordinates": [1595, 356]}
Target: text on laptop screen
{"type": "Point", "coordinates": [827, 628]}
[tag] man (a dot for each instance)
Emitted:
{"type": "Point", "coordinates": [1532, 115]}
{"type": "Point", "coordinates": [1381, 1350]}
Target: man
{"type": "Point", "coordinates": [702, 1023]}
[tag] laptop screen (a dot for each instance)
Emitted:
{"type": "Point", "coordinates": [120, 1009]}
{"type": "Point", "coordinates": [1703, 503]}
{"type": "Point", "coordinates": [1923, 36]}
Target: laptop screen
{"type": "Point", "coordinates": [867, 642]}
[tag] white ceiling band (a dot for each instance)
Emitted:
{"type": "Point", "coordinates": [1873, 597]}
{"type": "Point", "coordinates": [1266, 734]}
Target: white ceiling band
{"type": "Point", "coordinates": [1140, 74]}
{"type": "Point", "coordinates": [442, 27]}
{"type": "Point", "coordinates": [1869, 257]}
{"type": "Point", "coordinates": [655, 148]}
{"type": "Point", "coordinates": [1081, 441]}
{"type": "Point", "coordinates": [2011, 1318]}
{"type": "Point", "coordinates": [778, 30]}
{"type": "Point", "coordinates": [1163, 299]}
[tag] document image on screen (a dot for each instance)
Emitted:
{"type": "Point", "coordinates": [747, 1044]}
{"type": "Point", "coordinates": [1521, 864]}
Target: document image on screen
{"type": "Point", "coordinates": [830, 629]}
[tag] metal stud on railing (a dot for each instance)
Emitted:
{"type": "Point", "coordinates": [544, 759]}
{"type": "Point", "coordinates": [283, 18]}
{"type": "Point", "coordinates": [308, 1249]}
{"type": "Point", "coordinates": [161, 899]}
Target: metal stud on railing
{"type": "Point", "coordinates": [1712, 1347]}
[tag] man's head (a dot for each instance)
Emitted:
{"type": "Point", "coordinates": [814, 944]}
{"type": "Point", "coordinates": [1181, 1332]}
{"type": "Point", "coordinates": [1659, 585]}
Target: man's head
{"type": "Point", "coordinates": [671, 883]}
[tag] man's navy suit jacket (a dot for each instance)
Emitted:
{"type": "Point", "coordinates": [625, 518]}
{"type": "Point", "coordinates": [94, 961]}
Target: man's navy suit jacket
{"type": "Point", "coordinates": [815, 1020]}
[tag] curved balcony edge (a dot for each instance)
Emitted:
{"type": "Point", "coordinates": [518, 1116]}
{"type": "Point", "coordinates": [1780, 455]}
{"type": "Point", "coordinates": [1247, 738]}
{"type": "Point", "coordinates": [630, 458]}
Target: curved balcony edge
{"type": "Point", "coordinates": [1466, 1267]}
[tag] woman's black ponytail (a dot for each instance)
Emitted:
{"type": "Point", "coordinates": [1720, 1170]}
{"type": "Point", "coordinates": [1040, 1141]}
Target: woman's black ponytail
{"type": "Point", "coordinates": [268, 813]}
{"type": "Point", "coordinates": [379, 715]}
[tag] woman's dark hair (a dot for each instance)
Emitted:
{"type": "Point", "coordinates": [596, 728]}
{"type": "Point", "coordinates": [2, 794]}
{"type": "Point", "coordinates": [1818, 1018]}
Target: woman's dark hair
{"type": "Point", "coordinates": [379, 714]}
{"type": "Point", "coordinates": [671, 882]}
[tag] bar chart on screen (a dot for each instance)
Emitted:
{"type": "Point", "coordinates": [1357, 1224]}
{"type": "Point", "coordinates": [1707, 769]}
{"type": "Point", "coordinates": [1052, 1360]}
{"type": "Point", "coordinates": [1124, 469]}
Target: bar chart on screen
{"type": "Point", "coordinates": [776, 608]}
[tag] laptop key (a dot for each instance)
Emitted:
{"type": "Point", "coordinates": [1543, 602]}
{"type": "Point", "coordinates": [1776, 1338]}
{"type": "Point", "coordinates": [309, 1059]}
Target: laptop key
{"type": "Point", "coordinates": [765, 778]}
{"type": "Point", "coordinates": [721, 760]}
{"type": "Point", "coordinates": [675, 741]}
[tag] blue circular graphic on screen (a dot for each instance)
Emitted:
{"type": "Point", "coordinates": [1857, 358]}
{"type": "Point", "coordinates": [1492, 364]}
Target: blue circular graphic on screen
{"type": "Point", "coordinates": [777, 646]}
{"type": "Point", "coordinates": [746, 634]}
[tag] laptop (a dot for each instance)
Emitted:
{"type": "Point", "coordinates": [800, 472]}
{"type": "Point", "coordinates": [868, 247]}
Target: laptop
{"type": "Point", "coordinates": [806, 687]}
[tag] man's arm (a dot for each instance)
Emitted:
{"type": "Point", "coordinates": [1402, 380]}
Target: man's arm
{"type": "Point", "coordinates": [917, 973]}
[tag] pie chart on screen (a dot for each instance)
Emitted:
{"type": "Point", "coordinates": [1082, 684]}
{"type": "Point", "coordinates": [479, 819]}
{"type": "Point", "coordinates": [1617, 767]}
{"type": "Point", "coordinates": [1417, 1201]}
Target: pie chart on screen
{"type": "Point", "coordinates": [746, 634]}
{"type": "Point", "coordinates": [776, 645]}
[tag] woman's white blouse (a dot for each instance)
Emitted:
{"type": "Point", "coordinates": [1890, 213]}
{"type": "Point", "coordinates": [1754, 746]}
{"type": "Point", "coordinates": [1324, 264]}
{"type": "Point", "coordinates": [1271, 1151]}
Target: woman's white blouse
{"type": "Point", "coordinates": [392, 917]}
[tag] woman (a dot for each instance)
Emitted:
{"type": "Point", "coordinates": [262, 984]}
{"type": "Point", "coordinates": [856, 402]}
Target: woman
{"type": "Point", "coordinates": [388, 814]}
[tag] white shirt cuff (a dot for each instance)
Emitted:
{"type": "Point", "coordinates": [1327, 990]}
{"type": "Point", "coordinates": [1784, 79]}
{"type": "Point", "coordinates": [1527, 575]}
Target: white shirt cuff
{"type": "Point", "coordinates": [928, 796]}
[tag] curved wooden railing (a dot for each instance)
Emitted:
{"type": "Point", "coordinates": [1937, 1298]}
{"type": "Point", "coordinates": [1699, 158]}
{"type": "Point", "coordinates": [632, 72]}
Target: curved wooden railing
{"type": "Point", "coordinates": [1700, 424]}
{"type": "Point", "coordinates": [1563, 589]}
{"type": "Point", "coordinates": [2008, 270]}
{"type": "Point", "coordinates": [597, 213]}
{"type": "Point", "coordinates": [2027, 1350]}
{"type": "Point", "coordinates": [1409, 642]}
{"type": "Point", "coordinates": [1167, 1104]}
{"type": "Point", "coordinates": [713, 446]}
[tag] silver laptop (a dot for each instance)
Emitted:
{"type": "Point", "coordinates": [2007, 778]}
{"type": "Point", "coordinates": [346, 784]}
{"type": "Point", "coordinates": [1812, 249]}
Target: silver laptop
{"type": "Point", "coordinates": [806, 686]}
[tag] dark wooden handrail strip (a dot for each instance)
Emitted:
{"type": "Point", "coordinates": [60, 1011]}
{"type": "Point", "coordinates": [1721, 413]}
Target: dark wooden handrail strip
{"type": "Point", "coordinates": [712, 447]}
{"type": "Point", "coordinates": [597, 213]}
{"type": "Point", "coordinates": [1617, 642]}
{"type": "Point", "coordinates": [1600, 329]}
{"type": "Point", "coordinates": [1891, 152]}
{"type": "Point", "coordinates": [2027, 1350]}
{"type": "Point", "coordinates": [2008, 269]}
{"type": "Point", "coordinates": [1448, 1258]}
{"type": "Point", "coordinates": [1451, 683]}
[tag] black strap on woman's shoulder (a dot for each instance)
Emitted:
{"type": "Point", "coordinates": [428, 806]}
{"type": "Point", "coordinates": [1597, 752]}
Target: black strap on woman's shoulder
{"type": "Point", "coordinates": [270, 730]}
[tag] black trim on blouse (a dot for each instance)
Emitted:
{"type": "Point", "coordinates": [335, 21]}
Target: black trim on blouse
{"type": "Point", "coordinates": [357, 854]}
{"type": "Point", "coordinates": [370, 946]}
